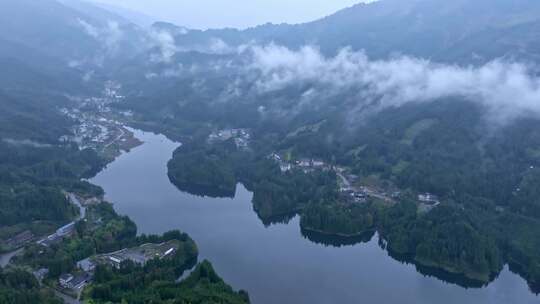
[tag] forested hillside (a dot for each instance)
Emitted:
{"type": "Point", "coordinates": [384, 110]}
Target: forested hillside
{"type": "Point", "coordinates": [406, 98]}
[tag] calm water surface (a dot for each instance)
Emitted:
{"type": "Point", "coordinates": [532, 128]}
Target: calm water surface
{"type": "Point", "coordinates": [276, 264]}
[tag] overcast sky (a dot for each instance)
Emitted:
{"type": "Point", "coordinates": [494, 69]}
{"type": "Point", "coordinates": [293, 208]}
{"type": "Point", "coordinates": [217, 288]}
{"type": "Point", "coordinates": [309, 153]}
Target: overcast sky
{"type": "Point", "coordinates": [233, 13]}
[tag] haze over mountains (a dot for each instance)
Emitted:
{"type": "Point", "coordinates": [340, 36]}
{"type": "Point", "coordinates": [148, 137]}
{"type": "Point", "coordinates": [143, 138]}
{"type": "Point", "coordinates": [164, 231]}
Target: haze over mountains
{"type": "Point", "coordinates": [245, 13]}
{"type": "Point", "coordinates": [365, 58]}
{"type": "Point", "coordinates": [69, 35]}
{"type": "Point", "coordinates": [438, 30]}
{"type": "Point", "coordinates": [425, 95]}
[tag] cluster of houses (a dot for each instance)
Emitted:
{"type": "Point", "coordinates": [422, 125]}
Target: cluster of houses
{"type": "Point", "coordinates": [110, 92]}
{"type": "Point", "coordinates": [355, 195]}
{"type": "Point", "coordinates": [74, 281]}
{"type": "Point", "coordinates": [428, 198]}
{"type": "Point", "coordinates": [350, 193]}
{"type": "Point", "coordinates": [93, 130]}
{"type": "Point", "coordinates": [241, 137]}
{"type": "Point", "coordinates": [427, 202]}
{"type": "Point", "coordinates": [305, 164]}
{"type": "Point", "coordinates": [348, 189]}
{"type": "Point", "coordinates": [138, 255]}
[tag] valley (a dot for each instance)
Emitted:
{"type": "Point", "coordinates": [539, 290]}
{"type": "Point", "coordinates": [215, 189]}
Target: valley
{"type": "Point", "coordinates": [386, 153]}
{"type": "Point", "coordinates": [242, 249]}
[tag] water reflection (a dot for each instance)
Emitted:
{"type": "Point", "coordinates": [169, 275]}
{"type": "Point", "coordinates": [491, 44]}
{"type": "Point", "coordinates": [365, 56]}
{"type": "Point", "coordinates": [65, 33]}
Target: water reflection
{"type": "Point", "coordinates": [453, 278]}
{"type": "Point", "coordinates": [276, 219]}
{"type": "Point", "coordinates": [206, 191]}
{"type": "Point", "coordinates": [336, 241]}
{"type": "Point", "coordinates": [275, 261]}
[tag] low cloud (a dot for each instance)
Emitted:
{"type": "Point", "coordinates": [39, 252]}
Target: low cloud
{"type": "Point", "coordinates": [25, 142]}
{"type": "Point", "coordinates": [89, 29]}
{"type": "Point", "coordinates": [167, 46]}
{"type": "Point", "coordinates": [109, 36]}
{"type": "Point", "coordinates": [507, 89]}
{"type": "Point", "coordinates": [165, 43]}
{"type": "Point", "coordinates": [112, 36]}
{"type": "Point", "coordinates": [88, 76]}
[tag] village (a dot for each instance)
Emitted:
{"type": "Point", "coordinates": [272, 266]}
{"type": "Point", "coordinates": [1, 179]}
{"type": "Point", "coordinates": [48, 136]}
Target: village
{"type": "Point", "coordinates": [241, 137]}
{"type": "Point", "coordinates": [352, 190]}
{"type": "Point", "coordinates": [26, 237]}
{"type": "Point", "coordinates": [97, 132]}
{"type": "Point", "coordinates": [74, 282]}
{"type": "Point", "coordinates": [70, 285]}
{"type": "Point", "coordinates": [96, 127]}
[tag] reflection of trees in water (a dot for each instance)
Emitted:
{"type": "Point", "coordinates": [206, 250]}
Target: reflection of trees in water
{"type": "Point", "coordinates": [518, 269]}
{"type": "Point", "coordinates": [283, 219]}
{"type": "Point", "coordinates": [341, 241]}
{"type": "Point", "coordinates": [335, 240]}
{"type": "Point", "coordinates": [206, 191]}
{"type": "Point", "coordinates": [440, 274]}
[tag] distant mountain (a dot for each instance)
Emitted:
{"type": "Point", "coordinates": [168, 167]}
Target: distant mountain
{"type": "Point", "coordinates": [49, 50]}
{"type": "Point", "coordinates": [62, 42]}
{"type": "Point", "coordinates": [445, 123]}
{"type": "Point", "coordinates": [136, 17]}
{"type": "Point", "coordinates": [95, 11]}
{"type": "Point", "coordinates": [48, 27]}
{"type": "Point", "coordinates": [442, 30]}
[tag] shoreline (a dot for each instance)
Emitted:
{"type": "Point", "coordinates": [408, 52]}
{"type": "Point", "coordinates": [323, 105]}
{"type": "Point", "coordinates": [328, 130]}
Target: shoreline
{"type": "Point", "coordinates": [5, 258]}
{"type": "Point", "coordinates": [342, 235]}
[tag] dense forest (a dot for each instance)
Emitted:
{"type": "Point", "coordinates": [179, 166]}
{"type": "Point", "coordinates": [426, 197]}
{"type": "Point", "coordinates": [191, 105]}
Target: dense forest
{"type": "Point", "coordinates": [20, 287]}
{"type": "Point", "coordinates": [485, 180]}
{"type": "Point", "coordinates": [32, 183]}
{"type": "Point", "coordinates": [446, 238]}
{"type": "Point", "coordinates": [113, 234]}
{"type": "Point", "coordinates": [35, 167]}
{"type": "Point", "coordinates": [338, 219]}
{"type": "Point", "coordinates": [36, 170]}
{"type": "Point", "coordinates": [104, 231]}
{"type": "Point", "coordinates": [156, 283]}
{"type": "Point", "coordinates": [205, 171]}
{"type": "Point", "coordinates": [214, 169]}
{"type": "Point", "coordinates": [482, 163]}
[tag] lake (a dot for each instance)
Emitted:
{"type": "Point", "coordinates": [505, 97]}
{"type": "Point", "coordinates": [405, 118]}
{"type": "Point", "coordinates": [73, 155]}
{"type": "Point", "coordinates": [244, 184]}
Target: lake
{"type": "Point", "coordinates": [276, 264]}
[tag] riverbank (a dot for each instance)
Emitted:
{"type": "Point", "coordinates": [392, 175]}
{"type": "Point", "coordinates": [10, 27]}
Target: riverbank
{"type": "Point", "coordinates": [482, 278]}
{"type": "Point", "coordinates": [5, 258]}
{"type": "Point", "coordinates": [339, 235]}
{"type": "Point", "coordinates": [262, 259]}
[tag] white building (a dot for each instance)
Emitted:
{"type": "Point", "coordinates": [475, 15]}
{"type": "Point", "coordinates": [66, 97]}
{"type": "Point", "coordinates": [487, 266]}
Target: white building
{"type": "Point", "coordinates": [65, 280]}
{"type": "Point", "coordinates": [428, 198]}
{"type": "Point", "coordinates": [115, 261]}
{"type": "Point", "coordinates": [65, 230]}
